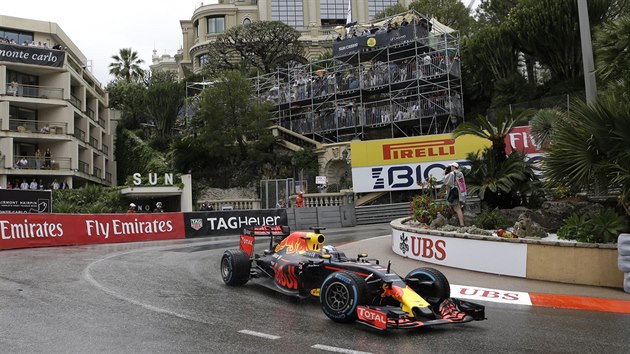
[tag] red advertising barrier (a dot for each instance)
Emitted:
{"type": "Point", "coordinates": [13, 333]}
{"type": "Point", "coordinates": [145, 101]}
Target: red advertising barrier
{"type": "Point", "coordinates": [40, 230]}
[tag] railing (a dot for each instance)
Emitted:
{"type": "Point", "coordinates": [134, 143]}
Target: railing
{"type": "Point", "coordinates": [108, 177]}
{"type": "Point", "coordinates": [90, 113]}
{"type": "Point", "coordinates": [101, 122]}
{"type": "Point", "coordinates": [34, 91]}
{"type": "Point", "coordinates": [79, 134]}
{"type": "Point", "coordinates": [84, 167]}
{"type": "Point", "coordinates": [75, 101]}
{"type": "Point", "coordinates": [94, 142]}
{"type": "Point", "coordinates": [97, 172]}
{"type": "Point", "coordinates": [105, 149]}
{"type": "Point", "coordinates": [27, 162]}
{"type": "Point", "coordinates": [233, 204]}
{"type": "Point", "coordinates": [36, 126]}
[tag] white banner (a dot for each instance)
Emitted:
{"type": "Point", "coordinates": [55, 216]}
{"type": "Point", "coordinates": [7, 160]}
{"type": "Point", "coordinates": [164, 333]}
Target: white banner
{"type": "Point", "coordinates": [504, 258]}
{"type": "Point", "coordinates": [397, 177]}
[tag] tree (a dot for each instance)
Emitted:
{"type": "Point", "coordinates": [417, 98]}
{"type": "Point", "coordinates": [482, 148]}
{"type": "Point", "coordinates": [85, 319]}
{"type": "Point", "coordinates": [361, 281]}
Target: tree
{"type": "Point", "coordinates": [131, 100]}
{"type": "Point", "coordinates": [495, 132]}
{"type": "Point", "coordinates": [127, 66]}
{"type": "Point", "coordinates": [590, 149]}
{"type": "Point", "coordinates": [452, 13]}
{"type": "Point", "coordinates": [494, 12]}
{"type": "Point", "coordinates": [261, 46]}
{"type": "Point", "coordinates": [228, 142]}
{"type": "Point", "coordinates": [390, 11]}
{"type": "Point", "coordinates": [612, 49]}
{"type": "Point", "coordinates": [165, 98]}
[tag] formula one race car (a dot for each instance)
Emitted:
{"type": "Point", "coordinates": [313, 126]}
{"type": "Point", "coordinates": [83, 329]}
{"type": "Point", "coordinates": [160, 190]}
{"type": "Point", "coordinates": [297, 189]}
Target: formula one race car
{"type": "Point", "coordinates": [358, 289]}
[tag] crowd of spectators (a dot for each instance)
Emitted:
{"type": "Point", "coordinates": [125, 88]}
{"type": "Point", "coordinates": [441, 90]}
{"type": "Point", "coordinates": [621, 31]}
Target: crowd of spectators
{"type": "Point", "coordinates": [34, 184]}
{"type": "Point", "coordinates": [37, 44]}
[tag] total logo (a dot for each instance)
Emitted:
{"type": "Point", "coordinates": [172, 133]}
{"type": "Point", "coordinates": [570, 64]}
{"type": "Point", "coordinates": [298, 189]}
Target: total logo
{"type": "Point", "coordinates": [376, 318]}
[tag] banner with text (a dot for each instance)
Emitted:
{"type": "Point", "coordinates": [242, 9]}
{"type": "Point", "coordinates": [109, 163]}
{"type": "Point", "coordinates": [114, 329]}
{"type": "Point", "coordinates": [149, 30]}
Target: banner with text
{"type": "Point", "coordinates": [478, 255]}
{"type": "Point", "coordinates": [221, 223]}
{"type": "Point", "coordinates": [25, 201]}
{"type": "Point", "coordinates": [32, 55]}
{"type": "Point", "coordinates": [36, 230]}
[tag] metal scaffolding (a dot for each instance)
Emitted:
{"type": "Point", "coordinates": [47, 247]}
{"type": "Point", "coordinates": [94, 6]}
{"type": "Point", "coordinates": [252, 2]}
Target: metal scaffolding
{"type": "Point", "coordinates": [396, 81]}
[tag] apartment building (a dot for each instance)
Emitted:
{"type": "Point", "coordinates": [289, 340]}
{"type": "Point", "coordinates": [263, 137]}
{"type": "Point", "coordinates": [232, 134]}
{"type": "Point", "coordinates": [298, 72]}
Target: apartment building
{"type": "Point", "coordinates": [55, 125]}
{"type": "Point", "coordinates": [315, 19]}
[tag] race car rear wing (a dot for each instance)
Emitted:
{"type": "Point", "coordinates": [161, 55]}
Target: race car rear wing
{"type": "Point", "coordinates": [275, 233]}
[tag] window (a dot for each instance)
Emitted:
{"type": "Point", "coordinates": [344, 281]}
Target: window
{"type": "Point", "coordinates": [291, 12]}
{"type": "Point", "coordinates": [333, 12]}
{"type": "Point", "coordinates": [18, 37]}
{"type": "Point", "coordinates": [204, 59]}
{"type": "Point", "coordinates": [216, 24]}
{"type": "Point", "coordinates": [376, 6]}
{"type": "Point", "coordinates": [247, 21]}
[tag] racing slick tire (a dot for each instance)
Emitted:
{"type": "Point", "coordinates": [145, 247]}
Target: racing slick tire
{"type": "Point", "coordinates": [235, 267]}
{"type": "Point", "coordinates": [340, 294]}
{"type": "Point", "coordinates": [432, 286]}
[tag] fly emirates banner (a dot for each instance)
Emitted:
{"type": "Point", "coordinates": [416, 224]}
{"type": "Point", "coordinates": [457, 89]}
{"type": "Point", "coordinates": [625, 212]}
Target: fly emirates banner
{"type": "Point", "coordinates": [37, 230]}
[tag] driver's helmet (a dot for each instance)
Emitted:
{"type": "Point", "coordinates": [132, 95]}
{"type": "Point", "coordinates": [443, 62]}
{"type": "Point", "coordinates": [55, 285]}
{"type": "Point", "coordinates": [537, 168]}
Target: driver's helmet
{"type": "Point", "coordinates": [333, 252]}
{"type": "Point", "coordinates": [330, 249]}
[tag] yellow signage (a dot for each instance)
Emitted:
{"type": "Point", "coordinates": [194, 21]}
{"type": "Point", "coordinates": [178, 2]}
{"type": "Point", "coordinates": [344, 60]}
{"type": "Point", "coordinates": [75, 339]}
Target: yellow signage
{"type": "Point", "coordinates": [371, 42]}
{"type": "Point", "coordinates": [417, 149]}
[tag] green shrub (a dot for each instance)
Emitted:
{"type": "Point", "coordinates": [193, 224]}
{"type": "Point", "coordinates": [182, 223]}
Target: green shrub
{"type": "Point", "coordinates": [603, 227]}
{"type": "Point", "coordinates": [424, 209]}
{"type": "Point", "coordinates": [491, 219]}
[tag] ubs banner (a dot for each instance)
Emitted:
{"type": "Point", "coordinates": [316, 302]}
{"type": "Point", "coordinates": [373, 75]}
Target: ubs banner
{"type": "Point", "coordinates": [221, 223]}
{"type": "Point", "coordinates": [24, 201]}
{"type": "Point", "coordinates": [36, 230]}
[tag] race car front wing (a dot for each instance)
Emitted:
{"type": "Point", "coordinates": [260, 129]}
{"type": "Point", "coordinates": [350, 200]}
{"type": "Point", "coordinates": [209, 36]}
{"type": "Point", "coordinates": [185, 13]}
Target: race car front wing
{"type": "Point", "coordinates": [390, 317]}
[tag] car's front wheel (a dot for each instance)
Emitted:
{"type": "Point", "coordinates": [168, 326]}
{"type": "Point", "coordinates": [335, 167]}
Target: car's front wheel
{"type": "Point", "coordinates": [235, 266]}
{"type": "Point", "coordinates": [340, 294]}
{"type": "Point", "coordinates": [429, 283]}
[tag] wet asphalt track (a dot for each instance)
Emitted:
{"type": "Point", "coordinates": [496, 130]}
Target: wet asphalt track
{"type": "Point", "coordinates": [168, 296]}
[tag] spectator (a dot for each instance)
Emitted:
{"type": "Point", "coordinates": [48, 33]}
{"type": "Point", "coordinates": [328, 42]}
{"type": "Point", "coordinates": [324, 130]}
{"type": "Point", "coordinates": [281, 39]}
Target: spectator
{"type": "Point", "coordinates": [47, 159]}
{"type": "Point", "coordinates": [55, 184]}
{"type": "Point", "coordinates": [281, 204]}
{"type": "Point", "coordinates": [24, 185]}
{"type": "Point", "coordinates": [132, 208]}
{"type": "Point", "coordinates": [203, 207]}
{"type": "Point", "coordinates": [22, 162]}
{"type": "Point", "coordinates": [13, 88]}
{"type": "Point", "coordinates": [454, 179]}
{"type": "Point", "coordinates": [38, 159]}
{"type": "Point", "coordinates": [299, 200]}
{"type": "Point", "coordinates": [34, 185]}
{"type": "Point", "coordinates": [158, 208]}
{"type": "Point", "coordinates": [64, 185]}
{"type": "Point", "coordinates": [45, 129]}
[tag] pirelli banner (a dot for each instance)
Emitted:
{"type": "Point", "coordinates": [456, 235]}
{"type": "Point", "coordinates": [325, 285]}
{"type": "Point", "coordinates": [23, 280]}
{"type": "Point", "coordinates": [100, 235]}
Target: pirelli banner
{"type": "Point", "coordinates": [400, 164]}
{"type": "Point", "coordinates": [39, 230]}
{"type": "Point", "coordinates": [221, 223]}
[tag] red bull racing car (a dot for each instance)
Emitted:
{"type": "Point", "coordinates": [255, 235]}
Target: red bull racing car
{"type": "Point", "coordinates": [348, 289]}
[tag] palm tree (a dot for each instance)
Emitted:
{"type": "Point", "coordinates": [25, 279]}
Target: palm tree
{"type": "Point", "coordinates": [591, 149]}
{"type": "Point", "coordinates": [544, 124]}
{"type": "Point", "coordinates": [127, 66]}
{"type": "Point", "coordinates": [496, 133]}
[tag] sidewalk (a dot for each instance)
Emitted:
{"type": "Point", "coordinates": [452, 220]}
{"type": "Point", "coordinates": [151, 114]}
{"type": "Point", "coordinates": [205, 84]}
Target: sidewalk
{"type": "Point", "coordinates": [540, 293]}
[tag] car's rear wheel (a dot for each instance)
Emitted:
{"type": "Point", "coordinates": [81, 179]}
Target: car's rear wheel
{"type": "Point", "coordinates": [429, 283]}
{"type": "Point", "coordinates": [340, 294]}
{"type": "Point", "coordinates": [235, 267]}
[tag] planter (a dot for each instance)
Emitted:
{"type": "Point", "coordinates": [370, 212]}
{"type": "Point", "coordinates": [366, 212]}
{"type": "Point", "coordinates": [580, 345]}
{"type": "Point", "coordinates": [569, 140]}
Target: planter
{"type": "Point", "coordinates": [564, 262]}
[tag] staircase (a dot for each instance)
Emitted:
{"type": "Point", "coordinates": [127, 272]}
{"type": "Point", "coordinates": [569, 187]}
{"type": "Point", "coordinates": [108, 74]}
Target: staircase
{"type": "Point", "coordinates": [376, 214]}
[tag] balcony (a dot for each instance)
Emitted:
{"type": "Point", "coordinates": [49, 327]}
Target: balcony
{"type": "Point", "coordinates": [105, 149]}
{"type": "Point", "coordinates": [79, 134]}
{"type": "Point", "coordinates": [75, 101]}
{"type": "Point", "coordinates": [40, 163]}
{"type": "Point", "coordinates": [35, 126]}
{"type": "Point", "coordinates": [90, 113]}
{"type": "Point", "coordinates": [101, 122]}
{"type": "Point", "coordinates": [94, 142]}
{"type": "Point", "coordinates": [34, 91]}
{"type": "Point", "coordinates": [97, 172]}
{"type": "Point", "coordinates": [108, 177]}
{"type": "Point", "coordinates": [84, 167]}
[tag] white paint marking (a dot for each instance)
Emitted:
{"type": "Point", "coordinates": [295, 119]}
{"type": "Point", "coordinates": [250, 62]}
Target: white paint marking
{"type": "Point", "coordinates": [491, 295]}
{"type": "Point", "coordinates": [337, 350]}
{"type": "Point", "coordinates": [259, 334]}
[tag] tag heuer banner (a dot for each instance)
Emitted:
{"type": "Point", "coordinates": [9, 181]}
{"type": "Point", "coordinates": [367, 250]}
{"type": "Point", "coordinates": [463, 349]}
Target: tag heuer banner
{"type": "Point", "coordinates": [232, 222]}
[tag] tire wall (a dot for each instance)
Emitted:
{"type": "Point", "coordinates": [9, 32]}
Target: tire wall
{"type": "Point", "coordinates": [623, 247]}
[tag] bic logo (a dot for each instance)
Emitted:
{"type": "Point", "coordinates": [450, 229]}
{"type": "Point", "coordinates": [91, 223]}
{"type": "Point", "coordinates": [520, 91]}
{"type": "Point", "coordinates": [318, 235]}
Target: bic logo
{"type": "Point", "coordinates": [406, 176]}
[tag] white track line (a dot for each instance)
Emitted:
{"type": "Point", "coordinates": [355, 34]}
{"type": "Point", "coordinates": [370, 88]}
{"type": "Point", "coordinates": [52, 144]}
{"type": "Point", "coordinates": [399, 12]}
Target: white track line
{"type": "Point", "coordinates": [259, 334]}
{"type": "Point", "coordinates": [337, 350]}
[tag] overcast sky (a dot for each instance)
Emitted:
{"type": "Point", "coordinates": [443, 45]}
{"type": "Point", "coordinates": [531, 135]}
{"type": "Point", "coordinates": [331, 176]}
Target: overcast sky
{"type": "Point", "coordinates": [101, 28]}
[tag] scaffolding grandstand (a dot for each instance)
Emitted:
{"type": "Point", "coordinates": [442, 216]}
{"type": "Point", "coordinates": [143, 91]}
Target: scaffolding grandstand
{"type": "Point", "coordinates": [396, 77]}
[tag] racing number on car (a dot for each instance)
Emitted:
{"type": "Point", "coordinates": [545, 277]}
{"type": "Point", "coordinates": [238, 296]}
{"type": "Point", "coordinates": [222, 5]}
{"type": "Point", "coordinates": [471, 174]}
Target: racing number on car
{"type": "Point", "coordinates": [286, 276]}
